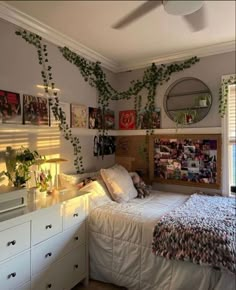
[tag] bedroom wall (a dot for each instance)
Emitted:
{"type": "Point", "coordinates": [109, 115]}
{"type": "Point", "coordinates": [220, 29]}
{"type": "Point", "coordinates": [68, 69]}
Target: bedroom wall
{"type": "Point", "coordinates": [20, 72]}
{"type": "Point", "coordinates": [210, 70]}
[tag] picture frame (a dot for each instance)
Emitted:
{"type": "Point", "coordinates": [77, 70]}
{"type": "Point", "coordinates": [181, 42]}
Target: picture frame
{"type": "Point", "coordinates": [65, 108]}
{"type": "Point", "coordinates": [145, 123]}
{"type": "Point", "coordinates": [10, 107]}
{"type": "Point", "coordinates": [35, 110]}
{"type": "Point", "coordinates": [127, 120]}
{"type": "Point", "coordinates": [191, 160]}
{"type": "Point", "coordinates": [94, 118]}
{"type": "Point", "coordinates": [78, 116]}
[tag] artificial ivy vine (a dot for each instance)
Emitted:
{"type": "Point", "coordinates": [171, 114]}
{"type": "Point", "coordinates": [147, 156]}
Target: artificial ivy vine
{"type": "Point", "coordinates": [223, 94]}
{"type": "Point", "coordinates": [49, 87]}
{"type": "Point", "coordinates": [153, 76]}
{"type": "Point", "coordinates": [95, 76]}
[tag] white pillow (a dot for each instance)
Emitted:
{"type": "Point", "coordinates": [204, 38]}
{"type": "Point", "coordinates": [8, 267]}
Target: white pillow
{"type": "Point", "coordinates": [99, 194]}
{"type": "Point", "coordinates": [70, 180]}
{"type": "Point", "coordinates": [119, 183]}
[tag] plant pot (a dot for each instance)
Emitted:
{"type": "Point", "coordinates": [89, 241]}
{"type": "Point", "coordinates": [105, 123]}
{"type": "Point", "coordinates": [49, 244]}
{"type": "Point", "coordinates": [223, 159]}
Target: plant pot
{"type": "Point", "coordinates": [203, 103]}
{"type": "Point", "coordinates": [40, 194]}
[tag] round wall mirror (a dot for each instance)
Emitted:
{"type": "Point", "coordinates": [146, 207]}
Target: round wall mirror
{"type": "Point", "coordinates": [187, 101]}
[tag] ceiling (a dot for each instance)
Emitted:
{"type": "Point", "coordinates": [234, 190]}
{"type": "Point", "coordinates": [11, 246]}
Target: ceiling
{"type": "Point", "coordinates": [156, 36]}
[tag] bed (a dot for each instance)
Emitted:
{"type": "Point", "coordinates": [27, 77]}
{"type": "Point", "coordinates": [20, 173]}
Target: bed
{"type": "Point", "coordinates": [120, 245]}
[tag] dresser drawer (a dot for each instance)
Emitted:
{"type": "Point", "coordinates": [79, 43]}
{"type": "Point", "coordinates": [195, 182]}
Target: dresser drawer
{"type": "Point", "coordinates": [74, 212]}
{"type": "Point", "coordinates": [45, 224]}
{"type": "Point", "coordinates": [14, 240]}
{"type": "Point", "coordinates": [74, 265]}
{"type": "Point", "coordinates": [46, 253]}
{"type": "Point", "coordinates": [15, 271]}
{"type": "Point", "coordinates": [48, 280]}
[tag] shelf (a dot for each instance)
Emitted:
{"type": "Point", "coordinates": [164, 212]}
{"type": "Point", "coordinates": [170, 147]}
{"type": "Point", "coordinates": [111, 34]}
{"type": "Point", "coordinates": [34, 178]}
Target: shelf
{"type": "Point", "coordinates": [189, 93]}
{"type": "Point", "coordinates": [188, 109]}
{"type": "Point", "coordinates": [92, 132]}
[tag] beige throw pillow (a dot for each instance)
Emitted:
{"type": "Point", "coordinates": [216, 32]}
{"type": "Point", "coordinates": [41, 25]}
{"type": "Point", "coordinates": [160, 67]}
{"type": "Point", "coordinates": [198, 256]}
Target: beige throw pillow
{"type": "Point", "coordinates": [119, 183]}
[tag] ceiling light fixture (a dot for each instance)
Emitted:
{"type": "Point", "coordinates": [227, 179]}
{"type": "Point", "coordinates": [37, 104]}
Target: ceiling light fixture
{"type": "Point", "coordinates": [181, 7]}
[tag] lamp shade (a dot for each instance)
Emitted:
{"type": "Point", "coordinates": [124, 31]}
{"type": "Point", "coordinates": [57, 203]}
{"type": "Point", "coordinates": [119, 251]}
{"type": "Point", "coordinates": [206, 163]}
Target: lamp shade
{"type": "Point", "coordinates": [182, 7]}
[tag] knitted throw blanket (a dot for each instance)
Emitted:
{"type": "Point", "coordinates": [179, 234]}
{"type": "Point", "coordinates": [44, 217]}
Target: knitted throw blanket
{"type": "Point", "coordinates": [201, 231]}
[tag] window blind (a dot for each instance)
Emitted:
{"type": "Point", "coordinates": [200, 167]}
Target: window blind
{"type": "Point", "coordinates": [232, 114]}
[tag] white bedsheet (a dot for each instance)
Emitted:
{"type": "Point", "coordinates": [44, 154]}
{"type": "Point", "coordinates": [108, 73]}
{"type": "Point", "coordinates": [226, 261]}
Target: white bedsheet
{"type": "Point", "coordinates": [120, 237]}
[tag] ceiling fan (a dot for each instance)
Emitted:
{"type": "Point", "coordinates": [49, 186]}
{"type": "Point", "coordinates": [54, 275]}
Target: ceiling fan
{"type": "Point", "coordinates": [193, 12]}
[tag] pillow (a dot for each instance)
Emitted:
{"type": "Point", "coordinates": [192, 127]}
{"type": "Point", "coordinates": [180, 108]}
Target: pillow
{"type": "Point", "coordinates": [99, 194]}
{"type": "Point", "coordinates": [119, 183]}
{"type": "Point", "coordinates": [142, 189]}
{"type": "Point", "coordinates": [71, 180]}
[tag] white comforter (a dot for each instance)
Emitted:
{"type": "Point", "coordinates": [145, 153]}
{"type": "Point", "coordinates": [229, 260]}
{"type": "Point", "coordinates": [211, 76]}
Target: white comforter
{"type": "Point", "coordinates": [120, 238]}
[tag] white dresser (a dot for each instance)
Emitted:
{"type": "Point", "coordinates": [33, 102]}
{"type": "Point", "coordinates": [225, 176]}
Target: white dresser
{"type": "Point", "coordinates": [44, 245]}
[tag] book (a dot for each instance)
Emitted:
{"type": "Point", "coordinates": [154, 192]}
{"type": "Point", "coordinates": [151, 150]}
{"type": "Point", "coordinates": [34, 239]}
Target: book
{"type": "Point", "coordinates": [35, 110]}
{"type": "Point", "coordinates": [65, 111]}
{"type": "Point", "coordinates": [127, 120]}
{"type": "Point", "coordinates": [144, 122]}
{"type": "Point", "coordinates": [109, 119]}
{"type": "Point", "coordinates": [10, 107]}
{"type": "Point", "coordinates": [95, 118]}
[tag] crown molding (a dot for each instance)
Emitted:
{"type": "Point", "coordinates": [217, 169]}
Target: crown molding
{"type": "Point", "coordinates": [199, 52]}
{"type": "Point", "coordinates": [15, 16]}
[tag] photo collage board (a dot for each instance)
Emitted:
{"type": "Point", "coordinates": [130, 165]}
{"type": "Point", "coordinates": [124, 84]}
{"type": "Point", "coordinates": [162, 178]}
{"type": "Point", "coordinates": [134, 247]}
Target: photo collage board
{"type": "Point", "coordinates": [193, 160]}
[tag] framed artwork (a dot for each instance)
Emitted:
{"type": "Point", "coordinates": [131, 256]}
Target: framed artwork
{"type": "Point", "coordinates": [35, 110]}
{"type": "Point", "coordinates": [10, 107]}
{"type": "Point", "coordinates": [153, 123]}
{"type": "Point", "coordinates": [95, 118]}
{"type": "Point", "coordinates": [109, 119]}
{"type": "Point", "coordinates": [193, 160]}
{"type": "Point", "coordinates": [127, 120]}
{"type": "Point", "coordinates": [103, 145]}
{"type": "Point", "coordinates": [78, 116]}
{"type": "Point", "coordinates": [65, 111]}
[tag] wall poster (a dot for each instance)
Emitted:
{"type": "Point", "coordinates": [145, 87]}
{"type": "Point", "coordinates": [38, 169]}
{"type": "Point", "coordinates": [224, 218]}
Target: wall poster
{"type": "Point", "coordinates": [193, 160]}
{"type": "Point", "coordinates": [35, 110]}
{"type": "Point", "coordinates": [10, 107]}
{"type": "Point", "coordinates": [78, 116]}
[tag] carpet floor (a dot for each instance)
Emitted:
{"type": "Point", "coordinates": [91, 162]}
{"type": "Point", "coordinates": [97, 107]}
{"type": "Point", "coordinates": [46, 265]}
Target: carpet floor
{"type": "Point", "coordinates": [96, 285]}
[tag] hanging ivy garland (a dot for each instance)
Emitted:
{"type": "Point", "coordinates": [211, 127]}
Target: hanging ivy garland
{"type": "Point", "coordinates": [49, 87]}
{"type": "Point", "coordinates": [153, 76]}
{"type": "Point", "coordinates": [95, 76]}
{"type": "Point", "coordinates": [223, 94]}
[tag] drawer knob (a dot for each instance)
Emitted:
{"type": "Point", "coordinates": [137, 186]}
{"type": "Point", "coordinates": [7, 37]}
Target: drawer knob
{"type": "Point", "coordinates": [49, 286]}
{"type": "Point", "coordinates": [11, 275]}
{"type": "Point", "coordinates": [48, 255]}
{"type": "Point", "coordinates": [11, 243]}
{"type": "Point", "coordinates": [48, 226]}
{"type": "Point", "coordinates": [76, 238]}
{"type": "Point", "coordinates": [76, 266]}
{"type": "Point", "coordinates": [75, 215]}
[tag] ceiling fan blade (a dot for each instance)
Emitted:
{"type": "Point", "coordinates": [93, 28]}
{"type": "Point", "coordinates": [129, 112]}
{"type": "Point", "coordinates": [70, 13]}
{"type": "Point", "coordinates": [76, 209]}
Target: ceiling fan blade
{"type": "Point", "coordinates": [137, 13]}
{"type": "Point", "coordinates": [197, 20]}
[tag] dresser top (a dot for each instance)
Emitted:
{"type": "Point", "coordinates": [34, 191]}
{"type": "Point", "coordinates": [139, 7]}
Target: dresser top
{"type": "Point", "coordinates": [35, 203]}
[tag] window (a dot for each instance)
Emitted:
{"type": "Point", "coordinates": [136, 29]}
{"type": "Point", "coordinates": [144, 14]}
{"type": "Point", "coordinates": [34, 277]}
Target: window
{"type": "Point", "coordinates": [231, 114]}
{"type": "Point", "coordinates": [229, 146]}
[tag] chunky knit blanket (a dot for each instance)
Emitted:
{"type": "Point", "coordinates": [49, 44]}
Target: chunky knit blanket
{"type": "Point", "coordinates": [201, 231]}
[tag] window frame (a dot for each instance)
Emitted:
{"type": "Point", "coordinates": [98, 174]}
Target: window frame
{"type": "Point", "coordinates": [226, 162]}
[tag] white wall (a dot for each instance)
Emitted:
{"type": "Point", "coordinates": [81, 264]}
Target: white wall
{"type": "Point", "coordinates": [20, 72]}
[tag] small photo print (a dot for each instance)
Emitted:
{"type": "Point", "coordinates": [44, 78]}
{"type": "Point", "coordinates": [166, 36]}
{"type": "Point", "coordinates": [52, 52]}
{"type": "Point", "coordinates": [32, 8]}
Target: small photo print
{"type": "Point", "coordinates": [65, 111]}
{"type": "Point", "coordinates": [103, 145]}
{"type": "Point", "coordinates": [145, 123]}
{"type": "Point", "coordinates": [109, 119]}
{"type": "Point", "coordinates": [35, 110]}
{"type": "Point", "coordinates": [10, 107]}
{"type": "Point", "coordinates": [95, 118]}
{"type": "Point", "coordinates": [78, 116]}
{"type": "Point", "coordinates": [127, 120]}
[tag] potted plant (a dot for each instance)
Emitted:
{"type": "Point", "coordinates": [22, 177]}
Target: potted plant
{"type": "Point", "coordinates": [18, 165]}
{"type": "Point", "coordinates": [204, 100]}
{"type": "Point", "coordinates": [185, 117]}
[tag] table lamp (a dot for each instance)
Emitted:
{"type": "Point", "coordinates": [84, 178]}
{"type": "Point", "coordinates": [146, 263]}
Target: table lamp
{"type": "Point", "coordinates": [56, 161]}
